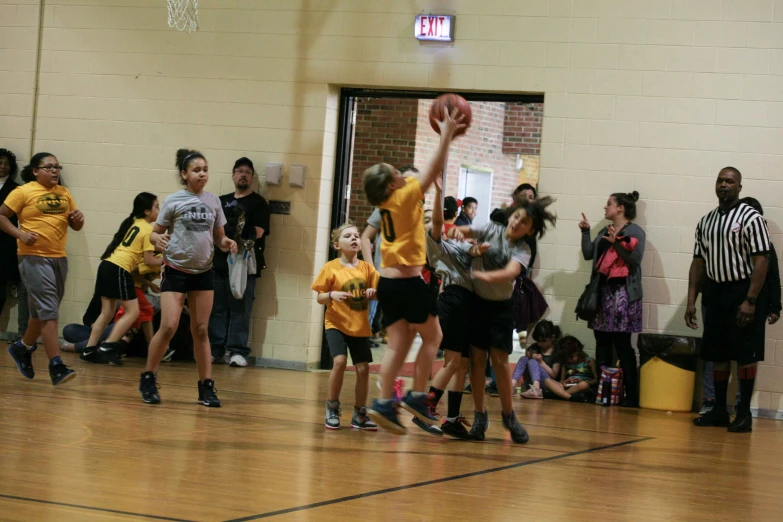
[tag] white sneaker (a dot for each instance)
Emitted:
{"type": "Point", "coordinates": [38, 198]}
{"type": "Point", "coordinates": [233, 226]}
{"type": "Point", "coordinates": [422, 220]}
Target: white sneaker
{"type": "Point", "coordinates": [237, 360]}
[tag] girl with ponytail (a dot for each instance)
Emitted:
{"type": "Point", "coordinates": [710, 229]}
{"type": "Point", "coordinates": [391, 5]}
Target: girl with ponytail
{"type": "Point", "coordinates": [129, 246]}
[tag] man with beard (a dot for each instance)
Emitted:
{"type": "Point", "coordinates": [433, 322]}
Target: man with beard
{"type": "Point", "coordinates": [247, 215]}
{"type": "Point", "coordinates": [729, 268]}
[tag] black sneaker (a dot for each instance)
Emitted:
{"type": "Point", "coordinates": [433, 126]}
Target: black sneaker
{"type": "Point", "coordinates": [518, 433]}
{"type": "Point", "coordinates": [167, 357]}
{"type": "Point", "coordinates": [23, 358]}
{"type": "Point", "coordinates": [60, 373]}
{"type": "Point", "coordinates": [431, 429]}
{"type": "Point", "coordinates": [148, 387]}
{"type": "Point", "coordinates": [207, 395]}
{"type": "Point", "coordinates": [468, 390]}
{"type": "Point", "coordinates": [361, 421]}
{"type": "Point", "coordinates": [456, 429]}
{"type": "Point", "coordinates": [742, 423]}
{"type": "Point", "coordinates": [110, 353]}
{"type": "Point", "coordinates": [491, 389]}
{"type": "Point", "coordinates": [480, 426]}
{"type": "Point", "coordinates": [92, 354]}
{"type": "Point", "coordinates": [713, 418]}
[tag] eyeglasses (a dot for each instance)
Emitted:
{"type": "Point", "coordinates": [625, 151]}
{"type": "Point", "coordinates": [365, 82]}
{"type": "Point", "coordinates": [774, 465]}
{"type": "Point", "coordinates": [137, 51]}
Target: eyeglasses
{"type": "Point", "coordinates": [51, 168]}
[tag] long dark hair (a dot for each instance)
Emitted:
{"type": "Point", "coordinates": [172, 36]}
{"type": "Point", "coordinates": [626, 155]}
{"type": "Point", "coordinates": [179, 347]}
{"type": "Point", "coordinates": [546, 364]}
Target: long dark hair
{"type": "Point", "coordinates": [568, 346]}
{"type": "Point", "coordinates": [184, 157]}
{"type": "Point", "coordinates": [545, 330]}
{"type": "Point", "coordinates": [628, 201]}
{"type": "Point", "coordinates": [141, 203]}
{"type": "Point", "coordinates": [12, 166]}
{"type": "Point", "coordinates": [27, 171]}
{"type": "Point", "coordinates": [537, 212]}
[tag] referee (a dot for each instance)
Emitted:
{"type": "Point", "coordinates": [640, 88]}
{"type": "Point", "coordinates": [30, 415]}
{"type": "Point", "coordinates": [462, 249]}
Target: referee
{"type": "Point", "coordinates": [732, 245]}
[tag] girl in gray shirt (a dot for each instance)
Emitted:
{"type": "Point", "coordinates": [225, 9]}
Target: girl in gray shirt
{"type": "Point", "coordinates": [188, 227]}
{"type": "Point", "coordinates": [493, 310]}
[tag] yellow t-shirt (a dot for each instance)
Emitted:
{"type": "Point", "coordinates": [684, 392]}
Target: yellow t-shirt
{"type": "Point", "coordinates": [150, 273]}
{"type": "Point", "coordinates": [130, 252]}
{"type": "Point", "coordinates": [351, 316]}
{"type": "Point", "coordinates": [45, 212]}
{"type": "Point", "coordinates": [402, 227]}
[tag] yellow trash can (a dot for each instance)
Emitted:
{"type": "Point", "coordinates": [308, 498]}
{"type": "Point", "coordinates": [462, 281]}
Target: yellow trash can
{"type": "Point", "coordinates": [666, 387]}
{"type": "Point", "coordinates": [668, 371]}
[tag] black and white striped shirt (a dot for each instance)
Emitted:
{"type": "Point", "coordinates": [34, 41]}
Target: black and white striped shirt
{"type": "Point", "coordinates": [727, 240]}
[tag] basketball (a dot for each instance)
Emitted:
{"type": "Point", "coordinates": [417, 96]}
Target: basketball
{"type": "Point", "coordinates": [449, 101]}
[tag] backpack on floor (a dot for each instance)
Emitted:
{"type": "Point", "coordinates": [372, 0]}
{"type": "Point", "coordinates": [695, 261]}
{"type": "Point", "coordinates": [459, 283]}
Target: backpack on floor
{"type": "Point", "coordinates": [610, 387]}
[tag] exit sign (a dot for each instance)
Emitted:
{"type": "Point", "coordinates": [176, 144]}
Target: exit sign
{"type": "Point", "coordinates": [434, 28]}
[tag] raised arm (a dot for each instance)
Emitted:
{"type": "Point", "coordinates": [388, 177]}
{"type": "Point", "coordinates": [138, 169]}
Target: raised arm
{"type": "Point", "coordinates": [450, 124]}
{"type": "Point", "coordinates": [587, 244]}
{"type": "Point", "coordinates": [437, 210]}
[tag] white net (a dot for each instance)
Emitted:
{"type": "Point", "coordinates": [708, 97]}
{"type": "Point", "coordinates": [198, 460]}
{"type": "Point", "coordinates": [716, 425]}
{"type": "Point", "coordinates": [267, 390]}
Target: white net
{"type": "Point", "coordinates": [183, 14]}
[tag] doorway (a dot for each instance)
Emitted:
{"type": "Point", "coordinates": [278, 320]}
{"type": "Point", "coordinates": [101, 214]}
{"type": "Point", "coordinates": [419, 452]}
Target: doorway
{"type": "Point", "coordinates": [390, 126]}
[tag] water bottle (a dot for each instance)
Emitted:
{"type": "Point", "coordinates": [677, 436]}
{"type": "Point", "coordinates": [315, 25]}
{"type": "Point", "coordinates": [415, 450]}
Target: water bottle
{"type": "Point", "coordinates": [606, 393]}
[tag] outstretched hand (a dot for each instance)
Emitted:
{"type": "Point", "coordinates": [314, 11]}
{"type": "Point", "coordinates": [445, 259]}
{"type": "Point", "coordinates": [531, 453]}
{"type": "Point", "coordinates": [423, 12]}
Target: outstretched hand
{"type": "Point", "coordinates": [584, 224]}
{"type": "Point", "coordinates": [451, 123]}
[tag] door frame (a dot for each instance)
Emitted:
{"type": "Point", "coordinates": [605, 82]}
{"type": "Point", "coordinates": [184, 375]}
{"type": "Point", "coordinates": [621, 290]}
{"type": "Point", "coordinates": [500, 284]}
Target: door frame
{"type": "Point", "coordinates": [346, 121]}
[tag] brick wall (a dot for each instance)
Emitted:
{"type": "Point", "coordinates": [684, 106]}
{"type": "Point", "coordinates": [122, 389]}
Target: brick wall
{"type": "Point", "coordinates": [385, 133]}
{"type": "Point", "coordinates": [481, 146]}
{"type": "Point", "coordinates": [522, 128]}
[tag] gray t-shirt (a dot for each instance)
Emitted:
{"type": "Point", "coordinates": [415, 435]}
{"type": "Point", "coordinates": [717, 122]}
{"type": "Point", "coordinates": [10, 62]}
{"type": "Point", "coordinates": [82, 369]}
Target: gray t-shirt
{"type": "Point", "coordinates": [375, 221]}
{"type": "Point", "coordinates": [501, 251]}
{"type": "Point", "coordinates": [191, 219]}
{"type": "Point", "coordinates": [451, 261]}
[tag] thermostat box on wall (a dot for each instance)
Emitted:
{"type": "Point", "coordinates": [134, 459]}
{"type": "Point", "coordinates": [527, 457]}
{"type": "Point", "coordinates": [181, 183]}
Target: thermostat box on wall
{"type": "Point", "coordinates": [274, 173]}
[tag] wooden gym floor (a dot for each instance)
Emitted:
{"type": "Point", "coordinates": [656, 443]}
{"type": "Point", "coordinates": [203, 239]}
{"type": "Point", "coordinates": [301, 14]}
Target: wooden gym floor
{"type": "Point", "coordinates": [91, 450]}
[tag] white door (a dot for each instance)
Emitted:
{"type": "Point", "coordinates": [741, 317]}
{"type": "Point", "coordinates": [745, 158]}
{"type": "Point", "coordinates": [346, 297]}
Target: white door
{"type": "Point", "coordinates": [477, 184]}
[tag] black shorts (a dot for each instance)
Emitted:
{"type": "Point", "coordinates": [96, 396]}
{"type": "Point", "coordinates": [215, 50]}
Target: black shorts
{"type": "Point", "coordinates": [114, 282]}
{"type": "Point", "coordinates": [492, 324]}
{"type": "Point", "coordinates": [173, 280]}
{"type": "Point", "coordinates": [408, 299]}
{"type": "Point", "coordinates": [454, 311]}
{"type": "Point", "coordinates": [339, 344]}
{"type": "Point", "coordinates": [723, 339]}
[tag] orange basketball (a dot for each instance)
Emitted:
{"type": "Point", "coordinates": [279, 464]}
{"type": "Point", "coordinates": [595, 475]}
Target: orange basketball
{"type": "Point", "coordinates": [448, 102]}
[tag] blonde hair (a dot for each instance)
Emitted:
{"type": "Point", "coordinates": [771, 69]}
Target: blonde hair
{"type": "Point", "coordinates": [337, 232]}
{"type": "Point", "coordinates": [376, 183]}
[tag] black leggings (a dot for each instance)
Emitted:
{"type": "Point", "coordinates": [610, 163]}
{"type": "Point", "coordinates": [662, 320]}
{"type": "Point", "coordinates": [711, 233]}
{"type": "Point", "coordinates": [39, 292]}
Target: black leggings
{"type": "Point", "coordinates": [621, 341]}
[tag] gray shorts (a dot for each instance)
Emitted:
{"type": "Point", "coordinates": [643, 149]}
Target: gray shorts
{"type": "Point", "coordinates": [44, 278]}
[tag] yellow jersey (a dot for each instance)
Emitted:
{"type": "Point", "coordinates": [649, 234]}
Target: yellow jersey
{"type": "Point", "coordinates": [402, 227]}
{"type": "Point", "coordinates": [350, 316]}
{"type": "Point", "coordinates": [130, 252]}
{"type": "Point", "coordinates": [45, 212]}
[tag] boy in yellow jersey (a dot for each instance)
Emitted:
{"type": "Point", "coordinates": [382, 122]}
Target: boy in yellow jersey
{"type": "Point", "coordinates": [46, 210]}
{"type": "Point", "coordinates": [403, 296]}
{"type": "Point", "coordinates": [130, 245]}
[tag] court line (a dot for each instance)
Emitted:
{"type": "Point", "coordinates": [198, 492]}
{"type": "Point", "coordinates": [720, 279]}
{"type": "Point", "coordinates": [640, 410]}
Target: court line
{"type": "Point", "coordinates": [434, 481]}
{"type": "Point", "coordinates": [90, 508]}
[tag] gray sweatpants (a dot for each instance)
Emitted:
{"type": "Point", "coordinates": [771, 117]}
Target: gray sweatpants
{"type": "Point", "coordinates": [44, 278]}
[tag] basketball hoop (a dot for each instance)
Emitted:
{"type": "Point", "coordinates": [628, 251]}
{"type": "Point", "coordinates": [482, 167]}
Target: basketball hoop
{"type": "Point", "coordinates": [183, 14]}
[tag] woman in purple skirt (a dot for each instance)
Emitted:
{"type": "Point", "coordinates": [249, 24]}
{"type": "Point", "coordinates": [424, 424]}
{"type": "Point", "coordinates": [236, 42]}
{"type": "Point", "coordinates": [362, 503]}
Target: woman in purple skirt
{"type": "Point", "coordinates": [617, 252]}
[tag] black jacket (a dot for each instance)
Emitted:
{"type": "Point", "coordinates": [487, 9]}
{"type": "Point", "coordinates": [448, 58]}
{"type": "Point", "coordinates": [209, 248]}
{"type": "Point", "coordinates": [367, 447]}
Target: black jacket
{"type": "Point", "coordinates": [9, 270]}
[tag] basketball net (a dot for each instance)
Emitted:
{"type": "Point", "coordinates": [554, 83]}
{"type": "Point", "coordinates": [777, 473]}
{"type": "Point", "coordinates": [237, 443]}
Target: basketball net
{"type": "Point", "coordinates": [183, 14]}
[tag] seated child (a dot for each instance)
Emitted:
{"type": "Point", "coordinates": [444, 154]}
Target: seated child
{"type": "Point", "coordinates": [577, 372]}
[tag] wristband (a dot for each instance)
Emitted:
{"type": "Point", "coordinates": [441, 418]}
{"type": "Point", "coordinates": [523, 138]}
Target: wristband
{"type": "Point", "coordinates": [329, 295]}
